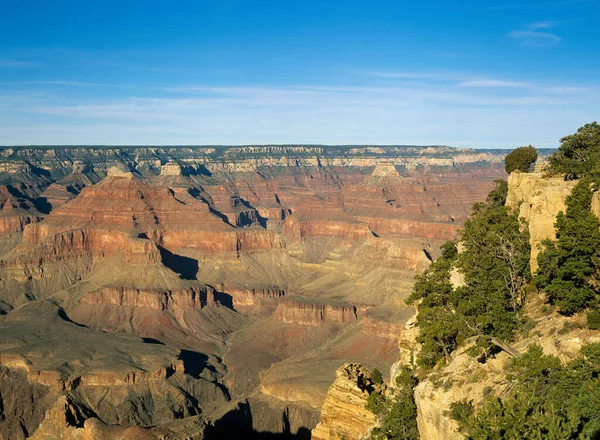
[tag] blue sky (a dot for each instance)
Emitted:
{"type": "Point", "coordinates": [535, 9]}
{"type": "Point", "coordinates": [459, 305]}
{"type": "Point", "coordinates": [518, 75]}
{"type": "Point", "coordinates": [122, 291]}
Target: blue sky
{"type": "Point", "coordinates": [482, 74]}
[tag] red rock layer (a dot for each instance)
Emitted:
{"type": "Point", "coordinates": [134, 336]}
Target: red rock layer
{"type": "Point", "coordinates": [242, 296]}
{"type": "Point", "coordinates": [305, 313]}
{"type": "Point", "coordinates": [15, 212]}
{"type": "Point", "coordinates": [192, 298]}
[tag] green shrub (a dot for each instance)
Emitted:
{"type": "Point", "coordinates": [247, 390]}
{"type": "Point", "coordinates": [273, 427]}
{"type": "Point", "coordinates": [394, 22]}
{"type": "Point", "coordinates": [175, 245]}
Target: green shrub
{"type": "Point", "coordinates": [528, 326]}
{"type": "Point", "coordinates": [593, 320]}
{"type": "Point", "coordinates": [497, 196]}
{"type": "Point", "coordinates": [496, 249]}
{"type": "Point", "coordinates": [461, 411]}
{"type": "Point", "coordinates": [376, 376]}
{"type": "Point", "coordinates": [520, 159]}
{"type": "Point", "coordinates": [546, 400]}
{"type": "Point", "coordinates": [398, 415]}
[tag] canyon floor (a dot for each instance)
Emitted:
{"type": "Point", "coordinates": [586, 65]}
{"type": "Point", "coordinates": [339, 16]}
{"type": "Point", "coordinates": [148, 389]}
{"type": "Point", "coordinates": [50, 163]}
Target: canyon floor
{"type": "Point", "coordinates": [203, 292]}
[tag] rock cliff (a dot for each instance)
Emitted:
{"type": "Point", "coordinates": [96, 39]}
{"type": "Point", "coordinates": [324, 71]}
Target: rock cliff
{"type": "Point", "coordinates": [539, 200]}
{"type": "Point", "coordinates": [464, 378]}
{"type": "Point", "coordinates": [344, 414]}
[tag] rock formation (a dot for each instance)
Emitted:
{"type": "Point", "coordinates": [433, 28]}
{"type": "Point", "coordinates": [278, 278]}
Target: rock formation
{"type": "Point", "coordinates": [344, 414]}
{"type": "Point", "coordinates": [539, 200]}
{"type": "Point", "coordinates": [150, 292]}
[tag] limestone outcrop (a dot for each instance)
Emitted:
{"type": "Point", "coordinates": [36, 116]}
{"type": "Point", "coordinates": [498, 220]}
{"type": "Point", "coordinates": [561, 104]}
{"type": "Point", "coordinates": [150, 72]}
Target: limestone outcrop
{"type": "Point", "coordinates": [539, 200]}
{"type": "Point", "coordinates": [344, 414]}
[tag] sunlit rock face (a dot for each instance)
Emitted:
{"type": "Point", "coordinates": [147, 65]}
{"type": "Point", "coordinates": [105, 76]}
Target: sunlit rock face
{"type": "Point", "coordinates": [539, 199]}
{"type": "Point", "coordinates": [344, 414]}
{"type": "Point", "coordinates": [196, 285]}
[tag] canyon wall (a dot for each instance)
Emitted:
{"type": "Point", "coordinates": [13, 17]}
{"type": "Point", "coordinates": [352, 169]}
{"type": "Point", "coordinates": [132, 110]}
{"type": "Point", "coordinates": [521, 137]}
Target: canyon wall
{"type": "Point", "coordinates": [196, 282]}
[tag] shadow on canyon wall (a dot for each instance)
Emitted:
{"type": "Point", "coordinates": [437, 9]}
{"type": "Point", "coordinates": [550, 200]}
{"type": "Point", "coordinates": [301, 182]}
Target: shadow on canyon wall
{"type": "Point", "coordinates": [186, 267]}
{"type": "Point", "coordinates": [237, 423]}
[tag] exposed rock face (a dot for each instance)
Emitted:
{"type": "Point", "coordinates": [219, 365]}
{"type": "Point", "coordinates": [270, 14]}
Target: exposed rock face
{"type": "Point", "coordinates": [385, 170]}
{"type": "Point", "coordinates": [344, 414]}
{"type": "Point", "coordinates": [464, 378]}
{"type": "Point", "coordinates": [306, 313]}
{"type": "Point", "coordinates": [16, 211]}
{"type": "Point", "coordinates": [57, 195]}
{"type": "Point", "coordinates": [190, 281]}
{"type": "Point", "coordinates": [542, 199]}
{"type": "Point", "coordinates": [116, 378]}
{"type": "Point", "coordinates": [171, 169]}
{"type": "Point", "coordinates": [64, 421]}
{"type": "Point", "coordinates": [192, 298]}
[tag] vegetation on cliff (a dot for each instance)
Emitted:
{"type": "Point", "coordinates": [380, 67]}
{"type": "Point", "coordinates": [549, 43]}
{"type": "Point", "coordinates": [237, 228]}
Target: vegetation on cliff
{"type": "Point", "coordinates": [396, 409]}
{"type": "Point", "coordinates": [475, 291]}
{"type": "Point", "coordinates": [546, 400]}
{"type": "Point", "coordinates": [520, 159]}
{"type": "Point", "coordinates": [495, 264]}
{"type": "Point", "coordinates": [568, 266]}
{"type": "Point", "coordinates": [578, 154]}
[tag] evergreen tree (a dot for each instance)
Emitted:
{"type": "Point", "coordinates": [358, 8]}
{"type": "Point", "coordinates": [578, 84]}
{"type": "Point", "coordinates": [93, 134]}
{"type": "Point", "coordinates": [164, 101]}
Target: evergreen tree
{"type": "Point", "coordinates": [495, 264]}
{"type": "Point", "coordinates": [440, 329]}
{"type": "Point", "coordinates": [568, 267]}
{"type": "Point", "coordinates": [398, 412]}
{"type": "Point", "coordinates": [520, 159]}
{"type": "Point", "coordinates": [497, 197]}
{"type": "Point", "coordinates": [579, 153]}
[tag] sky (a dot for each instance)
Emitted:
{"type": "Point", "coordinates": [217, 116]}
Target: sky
{"type": "Point", "coordinates": [474, 73]}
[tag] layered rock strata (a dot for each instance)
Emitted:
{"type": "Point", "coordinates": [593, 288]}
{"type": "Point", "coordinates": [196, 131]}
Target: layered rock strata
{"type": "Point", "coordinates": [344, 414]}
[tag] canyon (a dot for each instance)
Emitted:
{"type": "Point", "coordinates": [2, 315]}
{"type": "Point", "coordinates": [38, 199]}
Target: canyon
{"type": "Point", "coordinates": [538, 198]}
{"type": "Point", "coordinates": [208, 292]}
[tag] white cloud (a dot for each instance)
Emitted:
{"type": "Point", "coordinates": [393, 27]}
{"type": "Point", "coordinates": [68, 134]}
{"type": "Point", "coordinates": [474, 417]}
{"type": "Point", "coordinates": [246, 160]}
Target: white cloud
{"type": "Point", "coordinates": [532, 36]}
{"type": "Point", "coordinates": [8, 63]}
{"type": "Point", "coordinates": [542, 25]}
{"type": "Point", "coordinates": [61, 83]}
{"type": "Point", "coordinates": [482, 113]}
{"type": "Point", "coordinates": [491, 83]}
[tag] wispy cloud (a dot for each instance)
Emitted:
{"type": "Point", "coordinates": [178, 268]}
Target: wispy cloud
{"type": "Point", "coordinates": [480, 113]}
{"type": "Point", "coordinates": [542, 25]}
{"type": "Point", "coordinates": [407, 75]}
{"type": "Point", "coordinates": [491, 83]}
{"type": "Point", "coordinates": [532, 35]}
{"type": "Point", "coordinates": [8, 63]}
{"type": "Point", "coordinates": [61, 83]}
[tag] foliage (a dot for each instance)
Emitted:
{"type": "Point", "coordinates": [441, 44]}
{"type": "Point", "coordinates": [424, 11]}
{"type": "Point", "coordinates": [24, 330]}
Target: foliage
{"type": "Point", "coordinates": [578, 154]}
{"type": "Point", "coordinates": [520, 159]}
{"type": "Point", "coordinates": [593, 320]}
{"type": "Point", "coordinates": [440, 330]}
{"type": "Point", "coordinates": [497, 196]}
{"type": "Point", "coordinates": [461, 411]}
{"type": "Point", "coordinates": [528, 325]}
{"type": "Point", "coordinates": [546, 400]}
{"type": "Point", "coordinates": [376, 403]}
{"type": "Point", "coordinates": [568, 267]}
{"type": "Point", "coordinates": [398, 412]}
{"type": "Point", "coordinates": [495, 263]}
{"type": "Point", "coordinates": [376, 376]}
